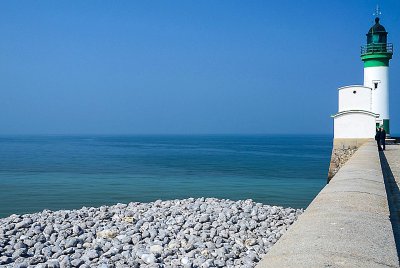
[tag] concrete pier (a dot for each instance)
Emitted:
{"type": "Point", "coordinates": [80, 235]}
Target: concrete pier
{"type": "Point", "coordinates": [348, 224]}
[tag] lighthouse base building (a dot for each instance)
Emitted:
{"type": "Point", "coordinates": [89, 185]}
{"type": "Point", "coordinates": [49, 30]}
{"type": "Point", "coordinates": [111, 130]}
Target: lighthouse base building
{"type": "Point", "coordinates": [355, 120]}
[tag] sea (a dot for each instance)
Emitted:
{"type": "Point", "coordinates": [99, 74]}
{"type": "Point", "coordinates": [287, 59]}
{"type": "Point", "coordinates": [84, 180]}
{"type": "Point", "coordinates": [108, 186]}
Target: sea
{"type": "Point", "coordinates": [69, 172]}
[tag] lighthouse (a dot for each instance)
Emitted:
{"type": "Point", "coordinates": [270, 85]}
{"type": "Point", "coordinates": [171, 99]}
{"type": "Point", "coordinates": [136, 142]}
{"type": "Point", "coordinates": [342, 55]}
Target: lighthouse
{"type": "Point", "coordinates": [363, 108]}
{"type": "Point", "coordinates": [376, 55]}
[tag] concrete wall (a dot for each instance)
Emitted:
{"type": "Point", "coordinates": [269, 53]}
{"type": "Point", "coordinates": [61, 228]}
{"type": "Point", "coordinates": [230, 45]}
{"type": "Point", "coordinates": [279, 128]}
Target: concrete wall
{"type": "Point", "coordinates": [355, 98]}
{"type": "Point", "coordinates": [355, 125]}
{"type": "Point", "coordinates": [347, 224]}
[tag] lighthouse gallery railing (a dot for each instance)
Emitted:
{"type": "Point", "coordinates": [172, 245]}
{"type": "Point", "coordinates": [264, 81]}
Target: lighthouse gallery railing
{"type": "Point", "coordinates": [379, 47]}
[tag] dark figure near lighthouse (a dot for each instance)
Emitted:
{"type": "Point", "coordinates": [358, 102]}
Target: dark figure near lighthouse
{"type": "Point", "coordinates": [382, 136]}
{"type": "Point", "coordinates": [378, 139]}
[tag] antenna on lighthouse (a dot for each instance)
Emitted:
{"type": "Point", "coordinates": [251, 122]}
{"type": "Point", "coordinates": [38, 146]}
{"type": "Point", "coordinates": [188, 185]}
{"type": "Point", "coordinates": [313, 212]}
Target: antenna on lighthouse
{"type": "Point", "coordinates": [377, 12]}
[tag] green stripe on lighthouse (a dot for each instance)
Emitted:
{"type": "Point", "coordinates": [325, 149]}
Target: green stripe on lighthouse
{"type": "Point", "coordinates": [376, 59]}
{"type": "Point", "coordinates": [386, 125]}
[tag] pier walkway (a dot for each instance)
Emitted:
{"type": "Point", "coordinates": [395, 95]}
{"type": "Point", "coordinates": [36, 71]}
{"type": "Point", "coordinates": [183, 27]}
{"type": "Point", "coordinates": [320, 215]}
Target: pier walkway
{"type": "Point", "coordinates": [352, 222]}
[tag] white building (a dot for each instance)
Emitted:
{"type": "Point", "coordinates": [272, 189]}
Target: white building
{"type": "Point", "coordinates": [363, 108]}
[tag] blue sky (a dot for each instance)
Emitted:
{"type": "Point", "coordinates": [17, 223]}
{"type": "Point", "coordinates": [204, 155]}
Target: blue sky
{"type": "Point", "coordinates": [183, 67]}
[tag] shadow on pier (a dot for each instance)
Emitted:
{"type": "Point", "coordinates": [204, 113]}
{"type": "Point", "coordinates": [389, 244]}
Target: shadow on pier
{"type": "Point", "coordinates": [393, 194]}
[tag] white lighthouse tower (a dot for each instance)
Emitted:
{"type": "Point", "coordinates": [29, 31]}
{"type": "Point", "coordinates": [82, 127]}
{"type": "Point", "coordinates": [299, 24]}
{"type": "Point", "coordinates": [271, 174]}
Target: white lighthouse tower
{"type": "Point", "coordinates": [376, 55]}
{"type": "Point", "coordinates": [362, 108]}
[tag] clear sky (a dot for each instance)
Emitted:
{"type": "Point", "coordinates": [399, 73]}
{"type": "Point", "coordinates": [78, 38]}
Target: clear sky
{"type": "Point", "coordinates": [184, 67]}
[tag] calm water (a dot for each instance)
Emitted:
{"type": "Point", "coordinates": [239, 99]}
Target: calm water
{"type": "Point", "coordinates": [65, 172]}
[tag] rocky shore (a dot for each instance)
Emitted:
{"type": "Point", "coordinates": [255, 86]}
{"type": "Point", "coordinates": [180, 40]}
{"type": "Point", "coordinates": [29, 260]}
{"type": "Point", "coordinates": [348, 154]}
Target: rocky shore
{"type": "Point", "coordinates": [204, 232]}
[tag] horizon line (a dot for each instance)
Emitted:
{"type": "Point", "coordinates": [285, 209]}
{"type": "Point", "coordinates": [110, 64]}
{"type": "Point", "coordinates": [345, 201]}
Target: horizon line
{"type": "Point", "coordinates": [161, 134]}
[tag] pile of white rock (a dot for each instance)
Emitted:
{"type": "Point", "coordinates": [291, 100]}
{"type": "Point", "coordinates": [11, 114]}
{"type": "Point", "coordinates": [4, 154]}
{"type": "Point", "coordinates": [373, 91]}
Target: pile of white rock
{"type": "Point", "coordinates": [204, 232]}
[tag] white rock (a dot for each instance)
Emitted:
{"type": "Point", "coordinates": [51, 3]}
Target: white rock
{"type": "Point", "coordinates": [185, 260]}
{"type": "Point", "coordinates": [156, 249]}
{"type": "Point", "coordinates": [148, 258]}
{"type": "Point", "coordinates": [107, 234]}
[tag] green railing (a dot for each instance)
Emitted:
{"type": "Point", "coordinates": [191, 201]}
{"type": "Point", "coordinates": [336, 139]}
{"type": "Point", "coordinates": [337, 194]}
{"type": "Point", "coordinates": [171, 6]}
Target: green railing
{"type": "Point", "coordinates": [379, 47]}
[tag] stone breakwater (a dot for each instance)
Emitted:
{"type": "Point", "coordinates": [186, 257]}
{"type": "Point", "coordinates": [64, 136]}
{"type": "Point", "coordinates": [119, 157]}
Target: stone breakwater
{"type": "Point", "coordinates": [178, 233]}
{"type": "Point", "coordinates": [339, 157]}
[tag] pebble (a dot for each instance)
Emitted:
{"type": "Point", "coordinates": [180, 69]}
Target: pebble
{"type": "Point", "coordinates": [37, 259]}
{"type": "Point", "coordinates": [148, 258]}
{"type": "Point", "coordinates": [156, 249]}
{"type": "Point", "coordinates": [71, 242]}
{"type": "Point", "coordinates": [53, 263]}
{"type": "Point", "coordinates": [77, 262]}
{"type": "Point", "coordinates": [185, 261]}
{"type": "Point", "coordinates": [92, 254]}
{"type": "Point", "coordinates": [23, 224]}
{"type": "Point", "coordinates": [203, 232]}
{"type": "Point", "coordinates": [107, 234]}
{"type": "Point", "coordinates": [5, 260]}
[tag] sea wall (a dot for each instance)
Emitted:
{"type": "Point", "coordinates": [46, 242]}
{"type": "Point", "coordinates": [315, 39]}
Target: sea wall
{"type": "Point", "coordinates": [342, 150]}
{"type": "Point", "coordinates": [346, 225]}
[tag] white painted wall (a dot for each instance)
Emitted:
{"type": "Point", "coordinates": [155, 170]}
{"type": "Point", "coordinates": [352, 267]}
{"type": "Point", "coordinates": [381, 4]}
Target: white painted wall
{"type": "Point", "coordinates": [355, 98]}
{"type": "Point", "coordinates": [354, 125]}
{"type": "Point", "coordinates": [380, 96]}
